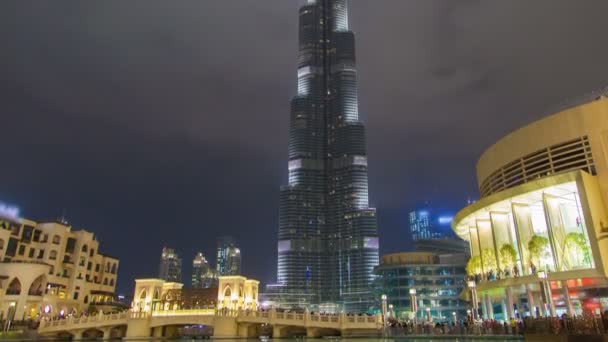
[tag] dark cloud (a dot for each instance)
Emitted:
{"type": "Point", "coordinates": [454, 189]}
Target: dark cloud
{"type": "Point", "coordinates": [155, 122]}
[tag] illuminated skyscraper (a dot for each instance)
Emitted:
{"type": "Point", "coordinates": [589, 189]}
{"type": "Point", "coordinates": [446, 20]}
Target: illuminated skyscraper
{"type": "Point", "coordinates": [203, 275]}
{"type": "Point", "coordinates": [170, 268]}
{"type": "Point", "coordinates": [328, 234]}
{"type": "Point", "coordinates": [433, 233]}
{"type": "Point", "coordinates": [426, 224]}
{"type": "Point", "coordinates": [228, 256]}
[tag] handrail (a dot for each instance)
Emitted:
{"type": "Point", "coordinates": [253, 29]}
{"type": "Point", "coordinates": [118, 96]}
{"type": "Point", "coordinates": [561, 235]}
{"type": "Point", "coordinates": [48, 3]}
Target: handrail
{"type": "Point", "coordinates": [269, 316]}
{"type": "Point", "coordinates": [189, 312]}
{"type": "Point", "coordinates": [111, 318]}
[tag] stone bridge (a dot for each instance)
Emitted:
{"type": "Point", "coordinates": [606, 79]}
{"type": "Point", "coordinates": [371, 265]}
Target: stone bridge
{"type": "Point", "coordinates": [78, 326]}
{"type": "Point", "coordinates": [224, 323]}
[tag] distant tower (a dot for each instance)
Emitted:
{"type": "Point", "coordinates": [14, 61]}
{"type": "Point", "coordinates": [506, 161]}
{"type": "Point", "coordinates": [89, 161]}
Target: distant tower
{"type": "Point", "coordinates": [199, 267]}
{"type": "Point", "coordinates": [228, 256]}
{"type": "Point", "coordinates": [426, 225]}
{"type": "Point", "coordinates": [170, 268]}
{"type": "Point", "coordinates": [433, 233]}
{"type": "Point", "coordinates": [203, 276]}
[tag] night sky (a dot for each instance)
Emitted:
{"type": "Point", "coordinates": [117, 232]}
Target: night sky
{"type": "Point", "coordinates": [159, 123]}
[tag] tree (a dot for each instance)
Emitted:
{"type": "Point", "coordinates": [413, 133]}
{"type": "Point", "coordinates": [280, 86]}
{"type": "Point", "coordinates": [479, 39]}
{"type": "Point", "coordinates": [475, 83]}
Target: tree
{"type": "Point", "coordinates": [538, 246]}
{"type": "Point", "coordinates": [474, 266]}
{"type": "Point", "coordinates": [576, 247]}
{"type": "Point", "coordinates": [508, 256]}
{"type": "Point", "coordinates": [489, 259]}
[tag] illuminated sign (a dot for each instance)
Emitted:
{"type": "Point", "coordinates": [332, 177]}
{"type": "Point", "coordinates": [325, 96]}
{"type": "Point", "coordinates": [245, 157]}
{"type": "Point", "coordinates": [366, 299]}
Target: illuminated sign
{"type": "Point", "coordinates": [445, 220]}
{"type": "Point", "coordinates": [8, 211]}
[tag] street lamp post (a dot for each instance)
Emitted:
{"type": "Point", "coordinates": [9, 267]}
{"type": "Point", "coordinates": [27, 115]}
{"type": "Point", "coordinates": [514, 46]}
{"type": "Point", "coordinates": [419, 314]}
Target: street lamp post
{"type": "Point", "coordinates": [546, 293]}
{"type": "Point", "coordinates": [454, 317]}
{"type": "Point", "coordinates": [383, 297]}
{"type": "Point", "coordinates": [473, 289]}
{"type": "Point", "coordinates": [413, 303]}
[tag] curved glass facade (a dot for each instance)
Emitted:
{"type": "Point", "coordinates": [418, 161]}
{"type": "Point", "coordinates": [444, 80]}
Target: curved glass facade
{"type": "Point", "coordinates": [328, 236]}
{"type": "Point", "coordinates": [538, 236]}
{"type": "Point", "coordinates": [544, 229]}
{"type": "Point", "coordinates": [437, 279]}
{"type": "Point", "coordinates": [534, 248]}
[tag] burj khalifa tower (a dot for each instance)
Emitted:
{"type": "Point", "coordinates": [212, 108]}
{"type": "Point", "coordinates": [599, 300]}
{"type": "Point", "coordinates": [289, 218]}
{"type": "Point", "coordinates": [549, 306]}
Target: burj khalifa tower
{"type": "Point", "coordinates": [328, 234]}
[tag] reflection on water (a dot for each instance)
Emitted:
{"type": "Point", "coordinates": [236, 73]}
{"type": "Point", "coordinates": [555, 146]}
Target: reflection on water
{"type": "Point", "coordinates": [335, 339]}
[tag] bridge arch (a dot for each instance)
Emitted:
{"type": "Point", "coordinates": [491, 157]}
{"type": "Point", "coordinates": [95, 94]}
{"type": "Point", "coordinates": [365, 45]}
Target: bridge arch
{"type": "Point", "coordinates": [92, 333]}
{"type": "Point", "coordinates": [281, 331]}
{"type": "Point", "coordinates": [182, 320]}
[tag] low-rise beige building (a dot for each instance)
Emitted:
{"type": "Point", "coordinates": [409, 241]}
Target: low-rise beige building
{"type": "Point", "coordinates": [233, 293]}
{"type": "Point", "coordinates": [49, 269]}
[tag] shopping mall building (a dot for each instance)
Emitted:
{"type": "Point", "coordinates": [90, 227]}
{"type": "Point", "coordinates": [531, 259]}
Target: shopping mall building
{"type": "Point", "coordinates": [539, 233]}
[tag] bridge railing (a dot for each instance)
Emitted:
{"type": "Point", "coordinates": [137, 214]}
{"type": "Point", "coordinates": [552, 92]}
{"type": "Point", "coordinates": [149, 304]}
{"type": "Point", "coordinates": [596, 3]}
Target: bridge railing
{"type": "Point", "coordinates": [71, 320]}
{"type": "Point", "coordinates": [189, 312]}
{"type": "Point", "coordinates": [312, 317]}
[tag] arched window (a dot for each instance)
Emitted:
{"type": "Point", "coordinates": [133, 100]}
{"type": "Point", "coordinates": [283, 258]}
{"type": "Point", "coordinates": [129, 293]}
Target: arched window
{"type": "Point", "coordinates": [105, 281]}
{"type": "Point", "coordinates": [143, 295]}
{"type": "Point", "coordinates": [14, 288]}
{"type": "Point", "coordinates": [56, 239]}
{"type": "Point", "coordinates": [85, 248]}
{"type": "Point", "coordinates": [227, 292]}
{"type": "Point", "coordinates": [111, 282]}
{"type": "Point", "coordinates": [37, 287]}
{"type": "Point", "coordinates": [113, 271]}
{"type": "Point", "coordinates": [53, 255]}
{"type": "Point", "coordinates": [156, 294]}
{"type": "Point", "coordinates": [86, 299]}
{"type": "Point", "coordinates": [91, 252]}
{"type": "Point", "coordinates": [108, 267]}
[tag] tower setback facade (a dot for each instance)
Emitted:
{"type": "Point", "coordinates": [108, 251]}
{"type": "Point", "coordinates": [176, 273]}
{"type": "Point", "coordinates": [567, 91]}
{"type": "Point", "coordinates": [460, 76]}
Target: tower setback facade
{"type": "Point", "coordinates": [328, 235]}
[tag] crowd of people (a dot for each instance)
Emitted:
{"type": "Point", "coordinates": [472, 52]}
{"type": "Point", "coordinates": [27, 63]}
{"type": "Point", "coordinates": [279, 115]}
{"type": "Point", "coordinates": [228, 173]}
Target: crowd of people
{"type": "Point", "coordinates": [587, 324]}
{"type": "Point", "coordinates": [505, 273]}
